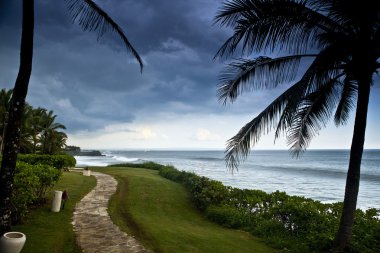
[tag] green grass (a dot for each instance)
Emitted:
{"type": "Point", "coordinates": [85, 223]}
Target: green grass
{"type": "Point", "coordinates": [160, 214]}
{"type": "Point", "coordinates": [52, 232]}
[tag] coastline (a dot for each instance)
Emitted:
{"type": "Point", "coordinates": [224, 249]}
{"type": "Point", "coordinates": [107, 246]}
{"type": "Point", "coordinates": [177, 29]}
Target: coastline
{"type": "Point", "coordinates": [319, 175]}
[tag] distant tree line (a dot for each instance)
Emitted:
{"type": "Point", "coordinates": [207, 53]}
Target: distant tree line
{"type": "Point", "coordinates": [40, 133]}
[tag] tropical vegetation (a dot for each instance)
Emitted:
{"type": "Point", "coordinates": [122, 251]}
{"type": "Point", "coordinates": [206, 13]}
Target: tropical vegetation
{"type": "Point", "coordinates": [40, 133]}
{"type": "Point", "coordinates": [34, 177]}
{"type": "Point", "coordinates": [160, 214]}
{"type": "Point", "coordinates": [56, 229]}
{"type": "Point", "coordinates": [90, 17]}
{"type": "Point", "coordinates": [337, 43]}
{"type": "Point", "coordinates": [289, 223]}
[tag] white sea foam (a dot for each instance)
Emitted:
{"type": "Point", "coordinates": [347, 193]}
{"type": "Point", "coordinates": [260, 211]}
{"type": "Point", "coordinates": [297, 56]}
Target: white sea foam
{"type": "Point", "coordinates": [125, 159]}
{"type": "Point", "coordinates": [318, 174]}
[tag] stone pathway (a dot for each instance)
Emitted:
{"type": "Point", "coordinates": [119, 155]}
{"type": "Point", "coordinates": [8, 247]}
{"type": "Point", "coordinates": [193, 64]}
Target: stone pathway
{"type": "Point", "coordinates": [95, 231]}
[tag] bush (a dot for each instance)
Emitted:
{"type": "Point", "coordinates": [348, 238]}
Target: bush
{"type": "Point", "coordinates": [288, 222]}
{"type": "Point", "coordinates": [31, 183]}
{"type": "Point", "coordinates": [291, 223]}
{"type": "Point", "coordinates": [56, 161]}
{"type": "Point", "coordinates": [48, 176]}
{"type": "Point", "coordinates": [145, 165]}
{"type": "Point", "coordinates": [25, 188]}
{"type": "Point", "coordinates": [228, 216]}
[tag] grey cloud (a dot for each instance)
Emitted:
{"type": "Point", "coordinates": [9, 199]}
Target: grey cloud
{"type": "Point", "coordinates": [90, 84]}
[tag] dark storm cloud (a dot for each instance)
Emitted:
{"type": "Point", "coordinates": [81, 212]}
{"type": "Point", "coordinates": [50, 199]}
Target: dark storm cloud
{"type": "Point", "coordinates": [90, 83]}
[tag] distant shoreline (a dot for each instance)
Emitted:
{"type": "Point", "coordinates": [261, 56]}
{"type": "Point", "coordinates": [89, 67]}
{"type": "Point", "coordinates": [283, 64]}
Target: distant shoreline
{"type": "Point", "coordinates": [211, 149]}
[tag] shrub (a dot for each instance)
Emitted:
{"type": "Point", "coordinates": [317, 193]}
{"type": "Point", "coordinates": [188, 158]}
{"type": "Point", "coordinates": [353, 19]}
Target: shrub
{"type": "Point", "coordinates": [288, 222]}
{"type": "Point", "coordinates": [31, 183]}
{"type": "Point", "coordinates": [48, 176]}
{"type": "Point", "coordinates": [291, 223]}
{"type": "Point", "coordinates": [56, 161]}
{"type": "Point", "coordinates": [228, 216]}
{"type": "Point", "coordinates": [25, 188]}
{"type": "Point", "coordinates": [145, 165]}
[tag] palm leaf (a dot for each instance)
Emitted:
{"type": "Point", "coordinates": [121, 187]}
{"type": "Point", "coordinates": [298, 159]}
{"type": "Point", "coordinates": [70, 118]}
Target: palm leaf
{"type": "Point", "coordinates": [262, 72]}
{"type": "Point", "coordinates": [239, 145]}
{"type": "Point", "coordinates": [346, 103]}
{"type": "Point", "coordinates": [231, 11]}
{"type": "Point", "coordinates": [321, 70]}
{"type": "Point", "coordinates": [312, 114]}
{"type": "Point", "coordinates": [280, 113]}
{"type": "Point", "coordinates": [92, 18]}
{"type": "Point", "coordinates": [272, 25]}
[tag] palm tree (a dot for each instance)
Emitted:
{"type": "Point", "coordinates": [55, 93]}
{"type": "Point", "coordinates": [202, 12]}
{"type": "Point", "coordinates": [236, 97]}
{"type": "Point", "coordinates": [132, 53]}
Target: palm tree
{"type": "Point", "coordinates": [90, 17]}
{"type": "Point", "coordinates": [58, 142]}
{"type": "Point", "coordinates": [340, 38]}
{"type": "Point", "coordinates": [35, 126]}
{"type": "Point", "coordinates": [49, 134]}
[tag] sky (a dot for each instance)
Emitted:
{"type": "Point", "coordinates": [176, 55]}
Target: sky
{"type": "Point", "coordinates": [96, 88]}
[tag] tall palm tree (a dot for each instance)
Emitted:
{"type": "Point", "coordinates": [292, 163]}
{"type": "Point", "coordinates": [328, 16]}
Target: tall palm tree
{"type": "Point", "coordinates": [341, 39]}
{"type": "Point", "coordinates": [90, 17]}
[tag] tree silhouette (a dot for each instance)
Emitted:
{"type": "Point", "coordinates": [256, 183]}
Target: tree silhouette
{"type": "Point", "coordinates": [90, 17]}
{"type": "Point", "coordinates": [342, 40]}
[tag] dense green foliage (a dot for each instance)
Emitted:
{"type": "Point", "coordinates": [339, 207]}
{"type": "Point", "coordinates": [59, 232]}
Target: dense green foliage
{"type": "Point", "coordinates": [160, 214]}
{"type": "Point", "coordinates": [31, 183]}
{"type": "Point", "coordinates": [56, 161]}
{"type": "Point", "coordinates": [39, 131]}
{"type": "Point", "coordinates": [287, 222]}
{"type": "Point", "coordinates": [56, 228]}
{"type": "Point", "coordinates": [145, 165]}
{"type": "Point", "coordinates": [35, 175]}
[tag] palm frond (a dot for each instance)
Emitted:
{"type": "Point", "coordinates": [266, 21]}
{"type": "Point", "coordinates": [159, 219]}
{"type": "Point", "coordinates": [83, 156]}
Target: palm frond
{"type": "Point", "coordinates": [280, 113]}
{"type": "Point", "coordinates": [324, 68]}
{"type": "Point", "coordinates": [312, 114]}
{"type": "Point", "coordinates": [262, 72]}
{"type": "Point", "coordinates": [346, 103]}
{"type": "Point", "coordinates": [92, 18]}
{"type": "Point", "coordinates": [239, 145]}
{"type": "Point", "coordinates": [272, 25]}
{"type": "Point", "coordinates": [352, 14]}
{"type": "Point", "coordinates": [231, 11]}
{"type": "Point", "coordinates": [230, 45]}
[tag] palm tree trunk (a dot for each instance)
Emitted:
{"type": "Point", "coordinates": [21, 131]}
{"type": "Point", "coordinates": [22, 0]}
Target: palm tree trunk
{"type": "Point", "coordinates": [344, 234]}
{"type": "Point", "coordinates": [3, 134]}
{"type": "Point", "coordinates": [12, 138]}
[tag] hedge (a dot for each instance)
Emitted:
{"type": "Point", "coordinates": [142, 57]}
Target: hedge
{"type": "Point", "coordinates": [290, 223]}
{"type": "Point", "coordinates": [57, 161]}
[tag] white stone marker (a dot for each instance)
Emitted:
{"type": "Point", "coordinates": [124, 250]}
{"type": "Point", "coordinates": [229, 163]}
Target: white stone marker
{"type": "Point", "coordinates": [56, 205]}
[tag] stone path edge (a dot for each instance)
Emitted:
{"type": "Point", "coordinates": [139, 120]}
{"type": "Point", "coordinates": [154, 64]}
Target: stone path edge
{"type": "Point", "coordinates": [94, 229]}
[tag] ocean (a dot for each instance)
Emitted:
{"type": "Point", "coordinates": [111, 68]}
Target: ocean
{"type": "Point", "coordinates": [317, 174]}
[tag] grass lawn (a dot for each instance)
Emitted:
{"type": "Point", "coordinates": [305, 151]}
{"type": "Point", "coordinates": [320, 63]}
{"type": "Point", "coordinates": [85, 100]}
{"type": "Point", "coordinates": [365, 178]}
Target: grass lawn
{"type": "Point", "coordinates": [160, 214]}
{"type": "Point", "coordinates": [52, 232]}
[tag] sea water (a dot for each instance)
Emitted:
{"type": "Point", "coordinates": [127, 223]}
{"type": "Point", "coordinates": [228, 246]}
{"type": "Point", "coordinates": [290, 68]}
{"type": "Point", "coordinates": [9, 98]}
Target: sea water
{"type": "Point", "coordinates": [317, 174]}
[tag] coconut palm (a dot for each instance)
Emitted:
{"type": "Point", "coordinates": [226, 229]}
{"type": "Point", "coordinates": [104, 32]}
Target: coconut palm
{"type": "Point", "coordinates": [338, 41]}
{"type": "Point", "coordinates": [49, 135]}
{"type": "Point", "coordinates": [90, 17]}
{"type": "Point", "coordinates": [34, 126]}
